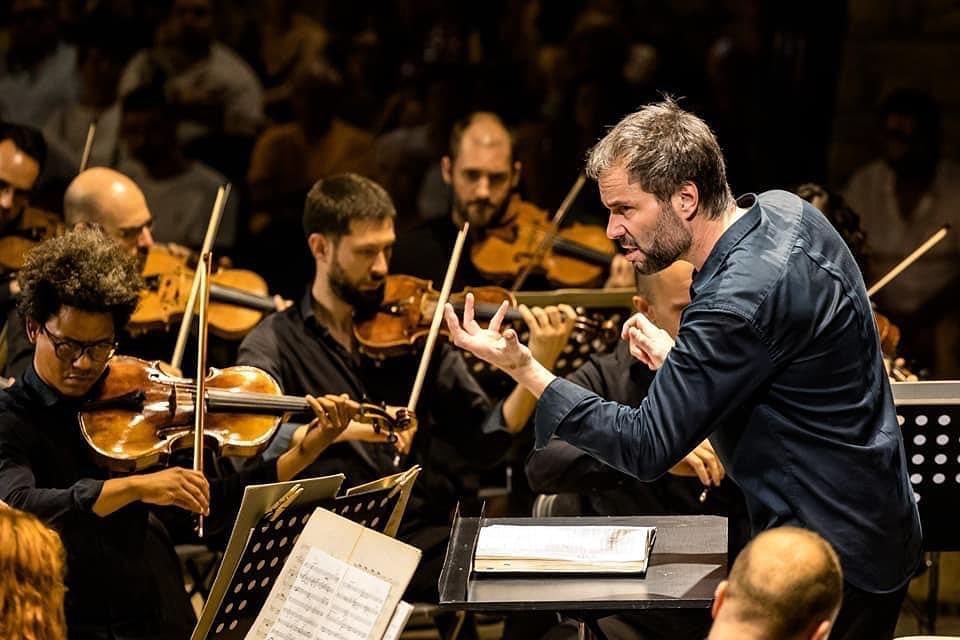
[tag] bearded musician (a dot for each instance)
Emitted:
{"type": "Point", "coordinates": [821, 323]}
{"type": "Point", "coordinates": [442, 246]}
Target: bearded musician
{"type": "Point", "coordinates": [123, 581]}
{"type": "Point", "coordinates": [349, 226]}
{"type": "Point", "coordinates": [483, 175]}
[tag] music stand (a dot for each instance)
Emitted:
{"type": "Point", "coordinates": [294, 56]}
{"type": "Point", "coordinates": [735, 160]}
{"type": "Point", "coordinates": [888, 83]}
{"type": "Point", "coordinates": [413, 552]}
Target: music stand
{"type": "Point", "coordinates": [242, 585]}
{"type": "Point", "coordinates": [688, 561]}
{"type": "Point", "coordinates": [928, 413]}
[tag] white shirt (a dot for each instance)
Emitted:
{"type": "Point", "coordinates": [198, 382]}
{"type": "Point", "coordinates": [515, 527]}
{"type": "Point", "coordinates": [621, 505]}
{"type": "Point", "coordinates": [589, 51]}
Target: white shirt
{"type": "Point", "coordinates": [891, 236]}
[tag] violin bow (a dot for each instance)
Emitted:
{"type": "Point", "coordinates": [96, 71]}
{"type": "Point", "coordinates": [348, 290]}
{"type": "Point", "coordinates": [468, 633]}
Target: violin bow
{"type": "Point", "coordinates": [88, 146]}
{"type": "Point", "coordinates": [204, 270]}
{"type": "Point", "coordinates": [551, 232]}
{"type": "Point", "coordinates": [435, 324]}
{"type": "Point", "coordinates": [223, 192]}
{"type": "Point", "coordinates": [909, 260]}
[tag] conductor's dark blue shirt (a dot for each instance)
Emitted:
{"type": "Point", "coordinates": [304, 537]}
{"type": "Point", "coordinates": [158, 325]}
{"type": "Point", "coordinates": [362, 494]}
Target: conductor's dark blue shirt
{"type": "Point", "coordinates": [778, 358]}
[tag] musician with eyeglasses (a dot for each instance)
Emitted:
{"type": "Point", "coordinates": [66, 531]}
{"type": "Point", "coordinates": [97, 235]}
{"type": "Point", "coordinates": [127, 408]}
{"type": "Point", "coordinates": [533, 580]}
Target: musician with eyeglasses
{"type": "Point", "coordinates": [123, 577]}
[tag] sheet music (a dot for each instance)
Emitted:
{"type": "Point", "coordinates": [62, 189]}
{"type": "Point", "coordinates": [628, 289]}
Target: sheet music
{"type": "Point", "coordinates": [590, 544]}
{"type": "Point", "coordinates": [329, 599]}
{"type": "Point", "coordinates": [399, 621]}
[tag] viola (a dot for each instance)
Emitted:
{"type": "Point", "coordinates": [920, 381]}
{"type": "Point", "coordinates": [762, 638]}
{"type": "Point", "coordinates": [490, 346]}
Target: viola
{"type": "Point", "coordinates": [578, 256]}
{"type": "Point", "coordinates": [33, 227]}
{"type": "Point", "coordinates": [141, 415]}
{"type": "Point", "coordinates": [238, 297]}
{"type": "Point", "coordinates": [403, 319]}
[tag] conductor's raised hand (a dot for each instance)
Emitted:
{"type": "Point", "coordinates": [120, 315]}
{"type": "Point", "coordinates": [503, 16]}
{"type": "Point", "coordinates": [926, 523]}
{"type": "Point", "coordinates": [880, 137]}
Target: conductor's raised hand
{"type": "Point", "coordinates": [502, 350]}
{"type": "Point", "coordinates": [648, 343]}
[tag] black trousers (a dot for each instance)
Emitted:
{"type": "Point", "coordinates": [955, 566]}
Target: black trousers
{"type": "Point", "coordinates": [867, 616]}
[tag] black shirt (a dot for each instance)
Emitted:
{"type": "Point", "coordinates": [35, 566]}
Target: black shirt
{"type": "Point", "coordinates": [118, 580]}
{"type": "Point", "coordinates": [778, 360]}
{"type": "Point", "coordinates": [460, 428]}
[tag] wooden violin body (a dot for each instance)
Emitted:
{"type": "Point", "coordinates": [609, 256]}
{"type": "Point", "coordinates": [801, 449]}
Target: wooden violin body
{"type": "Point", "coordinates": [238, 298]}
{"type": "Point", "coordinates": [33, 227]}
{"type": "Point", "coordinates": [403, 320]}
{"type": "Point", "coordinates": [578, 256]}
{"type": "Point", "coordinates": [141, 415]}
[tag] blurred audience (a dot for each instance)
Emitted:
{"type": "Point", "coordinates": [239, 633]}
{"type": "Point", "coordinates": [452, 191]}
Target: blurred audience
{"type": "Point", "coordinates": [179, 191]}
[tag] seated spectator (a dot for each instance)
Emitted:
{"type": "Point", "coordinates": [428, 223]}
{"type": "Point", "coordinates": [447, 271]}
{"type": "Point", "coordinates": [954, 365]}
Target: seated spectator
{"type": "Point", "coordinates": [180, 192]}
{"type": "Point", "coordinates": [38, 70]}
{"type": "Point", "coordinates": [786, 585]}
{"type": "Point", "coordinates": [32, 563]}
{"type": "Point", "coordinates": [289, 38]}
{"type": "Point", "coordinates": [102, 52]}
{"type": "Point", "coordinates": [213, 89]}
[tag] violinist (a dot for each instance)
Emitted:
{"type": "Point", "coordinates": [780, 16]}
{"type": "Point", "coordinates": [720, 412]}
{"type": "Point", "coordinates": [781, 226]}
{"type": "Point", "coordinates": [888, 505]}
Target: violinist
{"type": "Point", "coordinates": [21, 157]}
{"type": "Point", "coordinates": [123, 580]}
{"type": "Point", "coordinates": [310, 348]}
{"type": "Point", "coordinates": [112, 201]}
{"type": "Point", "coordinates": [483, 174]}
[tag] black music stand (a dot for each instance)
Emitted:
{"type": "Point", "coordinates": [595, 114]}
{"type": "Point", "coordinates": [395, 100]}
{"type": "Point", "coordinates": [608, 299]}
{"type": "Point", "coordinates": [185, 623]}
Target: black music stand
{"type": "Point", "coordinates": [689, 560]}
{"type": "Point", "coordinates": [272, 539]}
{"type": "Point", "coordinates": [929, 413]}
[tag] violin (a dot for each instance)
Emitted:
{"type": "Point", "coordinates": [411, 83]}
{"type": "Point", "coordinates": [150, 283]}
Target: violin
{"type": "Point", "coordinates": [403, 319]}
{"type": "Point", "coordinates": [238, 297]}
{"type": "Point", "coordinates": [33, 227]}
{"type": "Point", "coordinates": [578, 256]}
{"type": "Point", "coordinates": [141, 415]}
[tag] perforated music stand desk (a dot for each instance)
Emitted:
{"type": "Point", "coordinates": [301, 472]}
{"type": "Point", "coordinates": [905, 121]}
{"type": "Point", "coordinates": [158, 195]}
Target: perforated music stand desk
{"type": "Point", "coordinates": [688, 562]}
{"type": "Point", "coordinates": [929, 414]}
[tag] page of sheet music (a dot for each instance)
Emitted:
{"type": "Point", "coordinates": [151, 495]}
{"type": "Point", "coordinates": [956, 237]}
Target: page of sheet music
{"type": "Point", "coordinates": [329, 599]}
{"type": "Point", "coordinates": [597, 543]}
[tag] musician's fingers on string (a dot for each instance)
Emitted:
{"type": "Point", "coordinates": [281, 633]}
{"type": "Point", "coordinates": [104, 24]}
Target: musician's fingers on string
{"type": "Point", "coordinates": [543, 320]}
{"type": "Point", "coordinates": [528, 317]}
{"type": "Point", "coordinates": [347, 406]}
{"type": "Point", "coordinates": [318, 410]}
{"type": "Point", "coordinates": [332, 408]}
{"type": "Point", "coordinates": [569, 315]}
{"type": "Point", "coordinates": [497, 320]}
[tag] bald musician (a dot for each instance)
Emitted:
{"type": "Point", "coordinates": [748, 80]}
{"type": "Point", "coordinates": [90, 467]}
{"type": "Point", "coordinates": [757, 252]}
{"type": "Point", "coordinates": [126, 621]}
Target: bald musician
{"type": "Point", "coordinates": [113, 201]}
{"type": "Point", "coordinates": [786, 585]}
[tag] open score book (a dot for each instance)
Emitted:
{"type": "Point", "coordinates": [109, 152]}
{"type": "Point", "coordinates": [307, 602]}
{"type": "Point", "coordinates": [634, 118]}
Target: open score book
{"type": "Point", "coordinates": [505, 548]}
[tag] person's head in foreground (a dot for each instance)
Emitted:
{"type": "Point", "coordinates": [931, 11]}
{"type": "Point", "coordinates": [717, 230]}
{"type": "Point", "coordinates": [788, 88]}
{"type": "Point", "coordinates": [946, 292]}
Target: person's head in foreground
{"type": "Point", "coordinates": [785, 585]}
{"type": "Point", "coordinates": [31, 578]}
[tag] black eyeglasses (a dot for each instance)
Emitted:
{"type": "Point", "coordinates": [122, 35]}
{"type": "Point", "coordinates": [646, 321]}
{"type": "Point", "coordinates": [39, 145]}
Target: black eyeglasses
{"type": "Point", "coordinates": [69, 350]}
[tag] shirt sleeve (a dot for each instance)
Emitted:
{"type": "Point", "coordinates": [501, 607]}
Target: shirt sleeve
{"type": "Point", "coordinates": [260, 349]}
{"type": "Point", "coordinates": [18, 486]}
{"type": "Point", "coordinates": [718, 361]}
{"type": "Point", "coordinates": [560, 467]}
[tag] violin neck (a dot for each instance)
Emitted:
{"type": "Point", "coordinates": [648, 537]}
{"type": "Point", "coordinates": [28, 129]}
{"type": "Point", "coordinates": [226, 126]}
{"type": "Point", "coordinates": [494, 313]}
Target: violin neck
{"type": "Point", "coordinates": [573, 249]}
{"type": "Point", "coordinates": [485, 311]}
{"type": "Point", "coordinates": [259, 403]}
{"type": "Point", "coordinates": [229, 295]}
